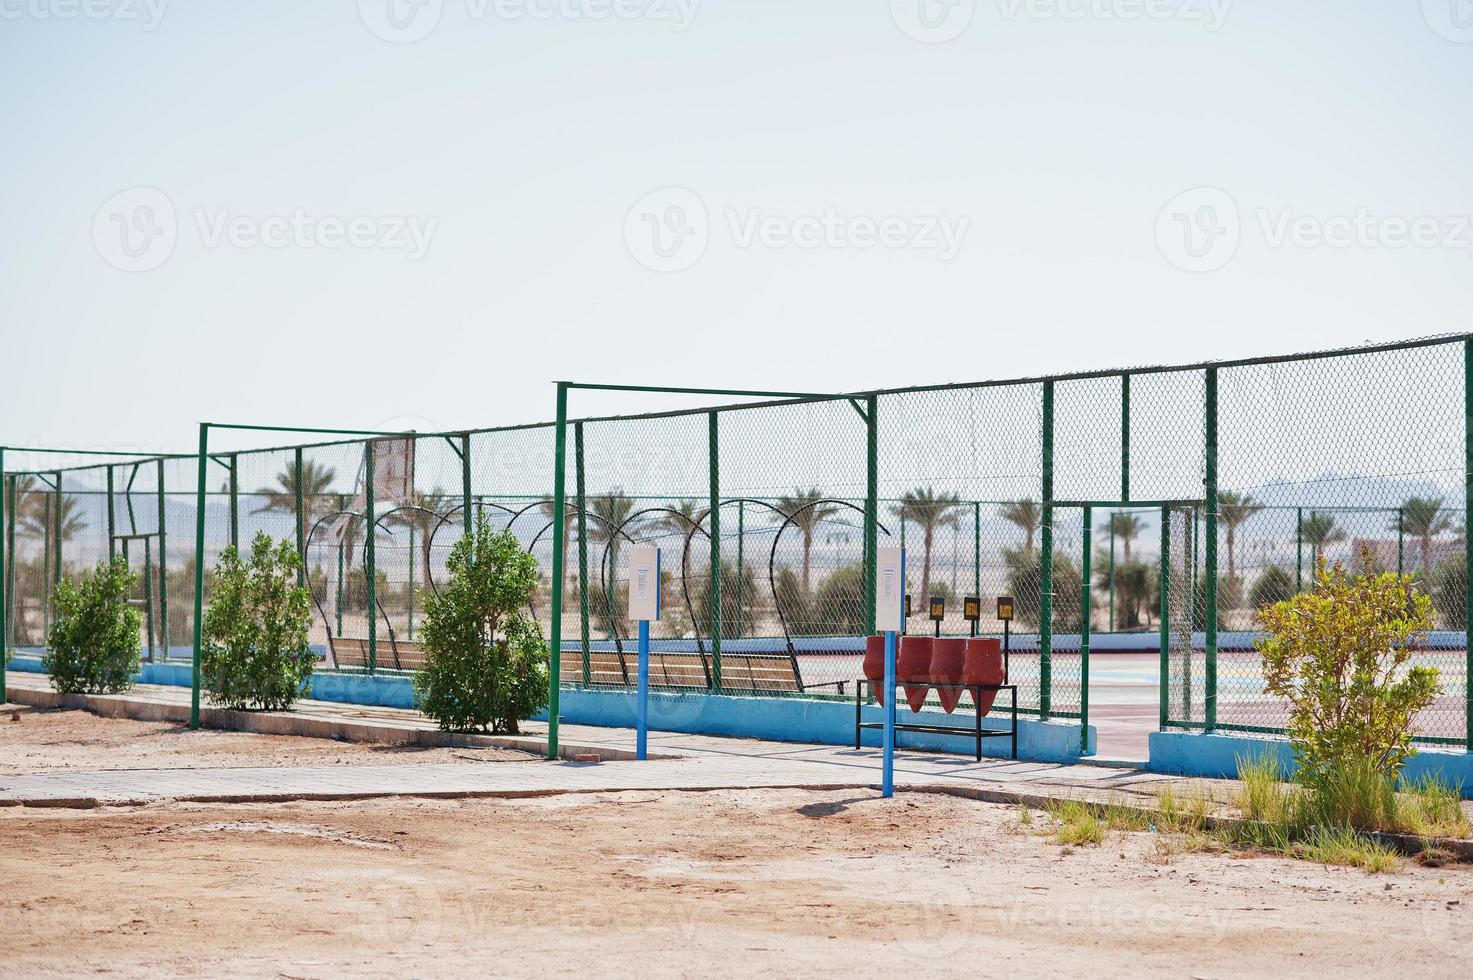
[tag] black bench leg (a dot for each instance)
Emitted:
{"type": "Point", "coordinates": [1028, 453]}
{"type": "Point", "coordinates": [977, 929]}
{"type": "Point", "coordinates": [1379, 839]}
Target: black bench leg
{"type": "Point", "coordinates": [1015, 724]}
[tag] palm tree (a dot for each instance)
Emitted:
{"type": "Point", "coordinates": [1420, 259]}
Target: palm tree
{"type": "Point", "coordinates": [612, 510]}
{"type": "Point", "coordinates": [682, 518]}
{"type": "Point", "coordinates": [1126, 527]}
{"type": "Point", "coordinates": [1423, 518]}
{"type": "Point", "coordinates": [314, 482]}
{"type": "Point", "coordinates": [1232, 510]}
{"type": "Point", "coordinates": [804, 511]}
{"type": "Point", "coordinates": [42, 515]}
{"type": "Point", "coordinates": [548, 509]}
{"type": "Point", "coordinates": [1027, 515]}
{"type": "Point", "coordinates": [1319, 530]}
{"type": "Point", "coordinates": [931, 511]}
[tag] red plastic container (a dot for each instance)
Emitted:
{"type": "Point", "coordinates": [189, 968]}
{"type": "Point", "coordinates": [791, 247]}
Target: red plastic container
{"type": "Point", "coordinates": [874, 666]}
{"type": "Point", "coordinates": [913, 669]}
{"type": "Point", "coordinates": [948, 657]}
{"type": "Point", "coordinates": [983, 665]}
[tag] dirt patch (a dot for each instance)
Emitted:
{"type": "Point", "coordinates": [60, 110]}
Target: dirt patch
{"type": "Point", "coordinates": [764, 883]}
{"type": "Point", "coordinates": [53, 740]}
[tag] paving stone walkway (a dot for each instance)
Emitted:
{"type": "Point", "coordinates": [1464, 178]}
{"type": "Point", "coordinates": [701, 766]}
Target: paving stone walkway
{"type": "Point", "coordinates": [684, 762]}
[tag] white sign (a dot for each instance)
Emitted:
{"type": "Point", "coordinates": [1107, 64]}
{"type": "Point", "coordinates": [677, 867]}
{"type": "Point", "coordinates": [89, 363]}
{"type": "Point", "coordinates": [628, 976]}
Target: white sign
{"type": "Point", "coordinates": [393, 470]}
{"type": "Point", "coordinates": [644, 583]}
{"type": "Point", "coordinates": [890, 590]}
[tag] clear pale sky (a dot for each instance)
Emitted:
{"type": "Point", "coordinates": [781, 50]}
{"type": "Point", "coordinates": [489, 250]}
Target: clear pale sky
{"type": "Point", "coordinates": [523, 140]}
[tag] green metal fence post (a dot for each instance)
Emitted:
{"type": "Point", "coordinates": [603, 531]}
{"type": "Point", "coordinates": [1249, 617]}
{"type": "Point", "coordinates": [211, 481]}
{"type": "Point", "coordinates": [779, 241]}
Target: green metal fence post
{"type": "Point", "coordinates": [1467, 549]}
{"type": "Point", "coordinates": [112, 519]}
{"type": "Point", "coordinates": [1299, 549]}
{"type": "Point", "coordinates": [235, 503]}
{"type": "Point", "coordinates": [199, 572]}
{"type": "Point", "coordinates": [741, 566]}
{"type": "Point", "coordinates": [410, 630]}
{"type": "Point", "coordinates": [301, 512]}
{"type": "Point", "coordinates": [559, 501]}
{"type": "Point", "coordinates": [713, 450]}
{"type": "Point", "coordinates": [465, 482]}
{"type": "Point", "coordinates": [369, 550]}
{"type": "Point", "coordinates": [56, 532]}
{"type": "Point", "coordinates": [871, 508]}
{"type": "Point", "coordinates": [1164, 690]}
{"type": "Point", "coordinates": [1112, 573]}
{"type": "Point", "coordinates": [1210, 694]}
{"type": "Point", "coordinates": [9, 637]}
{"type": "Point", "coordinates": [977, 549]}
{"type": "Point", "coordinates": [4, 592]}
{"type": "Point", "coordinates": [1124, 441]}
{"type": "Point", "coordinates": [1046, 563]}
{"type": "Point", "coordinates": [148, 595]}
{"type": "Point", "coordinates": [1088, 529]}
{"type": "Point", "coordinates": [581, 502]}
{"type": "Point", "coordinates": [163, 564]}
{"type": "Point", "coordinates": [1401, 541]}
{"type": "Point", "coordinates": [339, 606]}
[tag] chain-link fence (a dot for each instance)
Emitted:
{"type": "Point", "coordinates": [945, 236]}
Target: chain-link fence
{"type": "Point", "coordinates": [768, 514]}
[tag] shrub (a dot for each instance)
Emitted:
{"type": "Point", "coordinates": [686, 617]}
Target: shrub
{"type": "Point", "coordinates": [253, 651]}
{"type": "Point", "coordinates": [839, 600]}
{"type": "Point", "coordinates": [1339, 655]}
{"type": "Point", "coordinates": [735, 620]}
{"type": "Point", "coordinates": [599, 607]}
{"type": "Point", "coordinates": [1448, 581]}
{"type": "Point", "coordinates": [1025, 576]}
{"type": "Point", "coordinates": [93, 643]}
{"type": "Point", "coordinates": [485, 658]}
{"type": "Point", "coordinates": [1274, 584]}
{"type": "Point", "coordinates": [796, 606]}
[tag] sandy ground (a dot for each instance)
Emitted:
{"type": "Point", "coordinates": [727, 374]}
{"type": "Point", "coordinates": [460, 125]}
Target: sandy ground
{"type": "Point", "coordinates": [50, 740]}
{"type": "Point", "coordinates": [748, 883]}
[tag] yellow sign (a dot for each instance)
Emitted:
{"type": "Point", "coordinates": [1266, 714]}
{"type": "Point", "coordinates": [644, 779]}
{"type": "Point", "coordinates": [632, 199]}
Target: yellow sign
{"type": "Point", "coordinates": [938, 607]}
{"type": "Point", "coordinates": [1004, 607]}
{"type": "Point", "coordinates": [972, 608]}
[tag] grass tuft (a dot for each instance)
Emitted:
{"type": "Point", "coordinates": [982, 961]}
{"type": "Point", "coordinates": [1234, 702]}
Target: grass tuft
{"type": "Point", "coordinates": [1344, 846]}
{"type": "Point", "coordinates": [1078, 822]}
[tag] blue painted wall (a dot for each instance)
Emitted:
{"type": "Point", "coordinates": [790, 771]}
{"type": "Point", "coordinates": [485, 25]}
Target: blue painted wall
{"type": "Point", "coordinates": [812, 722]}
{"type": "Point", "coordinates": [1216, 757]}
{"type": "Point", "coordinates": [776, 719]}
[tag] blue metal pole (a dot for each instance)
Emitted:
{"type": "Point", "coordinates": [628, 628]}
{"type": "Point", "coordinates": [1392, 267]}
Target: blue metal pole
{"type": "Point", "coordinates": [642, 709]}
{"type": "Point", "coordinates": [887, 782]}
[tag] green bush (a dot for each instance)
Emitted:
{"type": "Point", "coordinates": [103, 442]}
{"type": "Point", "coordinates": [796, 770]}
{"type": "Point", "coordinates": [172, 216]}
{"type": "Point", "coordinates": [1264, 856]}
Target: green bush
{"type": "Point", "coordinates": [735, 620]}
{"type": "Point", "coordinates": [1449, 579]}
{"type": "Point", "coordinates": [1340, 656]}
{"type": "Point", "coordinates": [1274, 584]}
{"type": "Point", "coordinates": [599, 605]}
{"type": "Point", "coordinates": [254, 650]}
{"type": "Point", "coordinates": [93, 643]}
{"type": "Point", "coordinates": [839, 601]}
{"type": "Point", "coordinates": [485, 658]}
{"type": "Point", "coordinates": [1025, 578]}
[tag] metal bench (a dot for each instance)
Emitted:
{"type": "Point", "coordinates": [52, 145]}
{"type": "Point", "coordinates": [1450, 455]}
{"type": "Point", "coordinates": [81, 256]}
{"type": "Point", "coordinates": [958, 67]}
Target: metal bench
{"type": "Point", "coordinates": [976, 731]}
